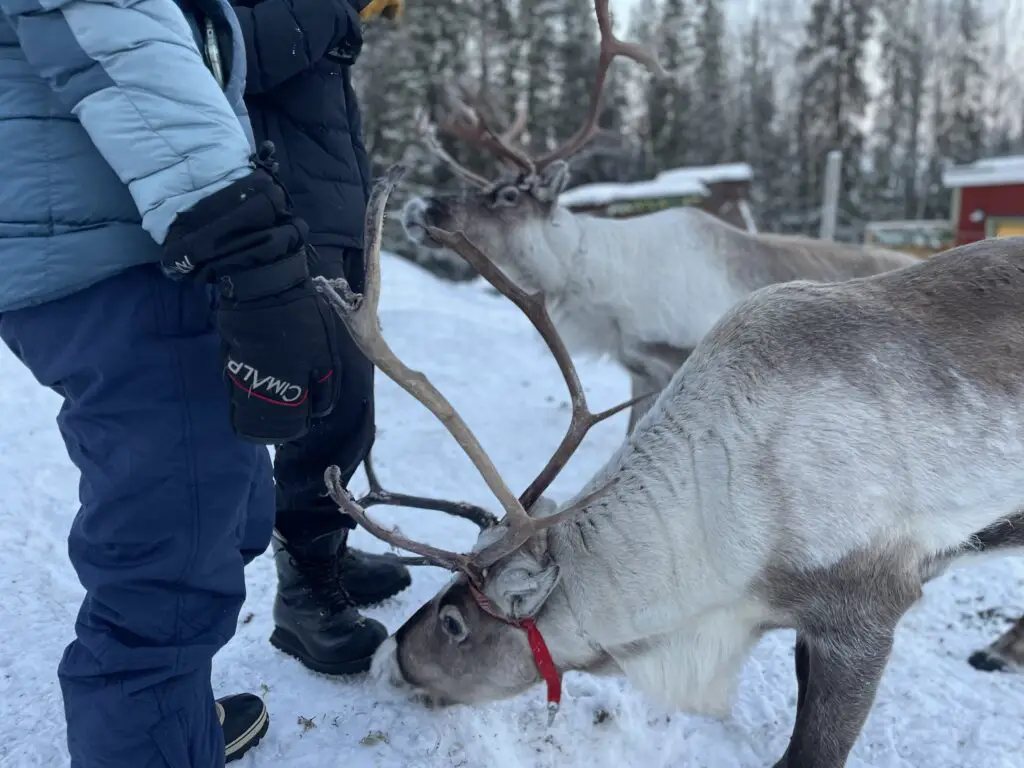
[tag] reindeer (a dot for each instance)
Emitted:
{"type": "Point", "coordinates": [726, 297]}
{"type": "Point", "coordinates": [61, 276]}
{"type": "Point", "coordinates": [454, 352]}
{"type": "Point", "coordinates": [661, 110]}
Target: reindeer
{"type": "Point", "coordinates": [642, 290]}
{"type": "Point", "coordinates": [826, 450]}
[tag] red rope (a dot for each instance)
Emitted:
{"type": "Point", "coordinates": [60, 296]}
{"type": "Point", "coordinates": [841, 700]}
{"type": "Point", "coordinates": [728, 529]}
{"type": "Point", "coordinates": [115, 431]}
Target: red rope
{"type": "Point", "coordinates": [538, 647]}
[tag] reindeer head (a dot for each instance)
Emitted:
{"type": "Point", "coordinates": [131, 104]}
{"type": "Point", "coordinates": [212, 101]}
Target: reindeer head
{"type": "Point", "coordinates": [454, 650]}
{"type": "Point", "coordinates": [516, 218]}
{"type": "Point", "coordinates": [478, 639]}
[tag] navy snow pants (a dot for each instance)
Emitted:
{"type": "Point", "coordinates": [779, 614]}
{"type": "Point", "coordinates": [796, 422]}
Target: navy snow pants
{"type": "Point", "coordinates": [173, 506]}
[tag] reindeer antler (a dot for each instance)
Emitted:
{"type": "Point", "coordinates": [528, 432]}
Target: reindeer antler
{"type": "Point", "coordinates": [428, 132]}
{"type": "Point", "coordinates": [474, 129]}
{"type": "Point", "coordinates": [377, 494]}
{"type": "Point", "coordinates": [359, 312]}
{"type": "Point", "coordinates": [611, 46]}
{"type": "Point", "coordinates": [471, 123]}
{"type": "Point", "coordinates": [534, 307]}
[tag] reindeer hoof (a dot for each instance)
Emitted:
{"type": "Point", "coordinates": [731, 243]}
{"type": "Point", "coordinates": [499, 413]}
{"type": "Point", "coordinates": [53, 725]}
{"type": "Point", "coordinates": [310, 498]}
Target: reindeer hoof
{"type": "Point", "coordinates": [986, 661]}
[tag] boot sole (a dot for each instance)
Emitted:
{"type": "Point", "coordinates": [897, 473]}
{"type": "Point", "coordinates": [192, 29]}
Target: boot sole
{"type": "Point", "coordinates": [237, 749]}
{"type": "Point", "coordinates": [287, 643]}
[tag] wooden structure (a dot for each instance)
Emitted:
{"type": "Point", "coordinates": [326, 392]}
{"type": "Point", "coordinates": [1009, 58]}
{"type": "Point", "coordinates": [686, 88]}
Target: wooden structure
{"type": "Point", "coordinates": [722, 190]}
{"type": "Point", "coordinates": [988, 198]}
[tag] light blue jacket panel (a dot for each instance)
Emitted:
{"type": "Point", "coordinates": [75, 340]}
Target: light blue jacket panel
{"type": "Point", "coordinates": [111, 124]}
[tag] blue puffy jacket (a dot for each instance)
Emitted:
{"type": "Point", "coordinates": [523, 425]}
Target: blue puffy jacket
{"type": "Point", "coordinates": [111, 123]}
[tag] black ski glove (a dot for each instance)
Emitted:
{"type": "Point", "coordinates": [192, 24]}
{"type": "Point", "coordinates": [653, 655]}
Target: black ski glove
{"type": "Point", "coordinates": [279, 348]}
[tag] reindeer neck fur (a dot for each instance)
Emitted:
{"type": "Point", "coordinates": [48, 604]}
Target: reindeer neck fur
{"type": "Point", "coordinates": [600, 296]}
{"type": "Point", "coordinates": [687, 618]}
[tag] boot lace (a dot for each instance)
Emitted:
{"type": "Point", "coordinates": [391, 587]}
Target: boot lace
{"type": "Point", "coordinates": [326, 589]}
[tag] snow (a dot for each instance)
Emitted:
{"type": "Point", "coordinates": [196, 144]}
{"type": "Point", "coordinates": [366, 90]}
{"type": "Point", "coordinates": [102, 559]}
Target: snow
{"type": "Point", "coordinates": [708, 174]}
{"type": "Point", "coordinates": [988, 172]}
{"type": "Point", "coordinates": [678, 182]}
{"type": "Point", "coordinates": [610, 192]}
{"type": "Point", "coordinates": [933, 709]}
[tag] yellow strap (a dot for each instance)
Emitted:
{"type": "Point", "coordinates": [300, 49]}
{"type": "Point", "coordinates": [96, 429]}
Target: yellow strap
{"type": "Point", "coordinates": [379, 7]}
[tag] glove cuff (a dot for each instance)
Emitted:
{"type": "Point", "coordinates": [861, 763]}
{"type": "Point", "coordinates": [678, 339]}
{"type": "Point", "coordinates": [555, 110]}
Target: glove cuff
{"type": "Point", "coordinates": [247, 224]}
{"type": "Point", "coordinates": [266, 280]}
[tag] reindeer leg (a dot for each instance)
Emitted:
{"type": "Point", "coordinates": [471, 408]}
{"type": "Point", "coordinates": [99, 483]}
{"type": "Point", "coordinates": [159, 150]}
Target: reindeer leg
{"type": "Point", "coordinates": [843, 670]}
{"type": "Point", "coordinates": [1004, 654]}
{"type": "Point", "coordinates": [651, 368]}
{"type": "Point", "coordinates": [802, 663]}
{"type": "Point", "coordinates": [845, 616]}
{"type": "Point", "coordinates": [641, 384]}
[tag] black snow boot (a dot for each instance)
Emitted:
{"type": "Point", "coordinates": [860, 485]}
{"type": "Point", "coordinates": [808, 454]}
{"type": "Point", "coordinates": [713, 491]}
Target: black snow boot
{"type": "Point", "coordinates": [369, 578]}
{"type": "Point", "coordinates": [315, 618]}
{"type": "Point", "coordinates": [244, 720]}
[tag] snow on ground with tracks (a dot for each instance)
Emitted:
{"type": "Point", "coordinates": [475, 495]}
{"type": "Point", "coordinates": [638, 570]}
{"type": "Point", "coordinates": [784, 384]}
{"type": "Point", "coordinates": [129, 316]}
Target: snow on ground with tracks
{"type": "Point", "coordinates": [932, 710]}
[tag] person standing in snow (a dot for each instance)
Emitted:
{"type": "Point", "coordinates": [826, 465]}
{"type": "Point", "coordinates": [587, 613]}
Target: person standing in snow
{"type": "Point", "coordinates": [299, 96]}
{"type": "Point", "coordinates": [153, 274]}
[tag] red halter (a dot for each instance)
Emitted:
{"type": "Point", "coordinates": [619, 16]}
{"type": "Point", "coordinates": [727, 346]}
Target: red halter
{"type": "Point", "coordinates": [541, 654]}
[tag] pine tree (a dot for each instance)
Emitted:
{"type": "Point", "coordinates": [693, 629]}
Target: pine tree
{"type": "Point", "coordinates": [899, 110]}
{"type": "Point", "coordinates": [712, 131]}
{"type": "Point", "coordinates": [389, 89]}
{"type": "Point", "coordinates": [670, 102]}
{"type": "Point", "coordinates": [610, 154]}
{"type": "Point", "coordinates": [538, 20]}
{"type": "Point", "coordinates": [957, 88]}
{"type": "Point", "coordinates": [833, 97]}
{"type": "Point", "coordinates": [575, 61]}
{"type": "Point", "coordinates": [762, 137]}
{"type": "Point", "coordinates": [965, 131]}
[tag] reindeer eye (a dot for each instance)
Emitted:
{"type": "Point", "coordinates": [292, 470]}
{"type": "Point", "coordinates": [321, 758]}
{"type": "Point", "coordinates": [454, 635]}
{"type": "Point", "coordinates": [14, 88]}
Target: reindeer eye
{"type": "Point", "coordinates": [451, 623]}
{"type": "Point", "coordinates": [507, 196]}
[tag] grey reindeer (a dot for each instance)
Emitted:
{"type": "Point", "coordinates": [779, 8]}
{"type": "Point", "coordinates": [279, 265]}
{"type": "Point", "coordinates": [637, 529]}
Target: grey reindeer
{"type": "Point", "coordinates": [826, 450]}
{"type": "Point", "coordinates": [644, 290]}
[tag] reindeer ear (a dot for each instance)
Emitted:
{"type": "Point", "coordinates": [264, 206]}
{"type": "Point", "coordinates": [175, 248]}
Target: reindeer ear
{"type": "Point", "coordinates": [552, 181]}
{"type": "Point", "coordinates": [543, 507]}
{"type": "Point", "coordinates": [525, 585]}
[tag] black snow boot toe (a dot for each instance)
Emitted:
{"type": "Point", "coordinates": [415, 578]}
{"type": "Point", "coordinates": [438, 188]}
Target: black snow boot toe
{"type": "Point", "coordinates": [372, 579]}
{"type": "Point", "coordinates": [315, 618]}
{"type": "Point", "coordinates": [244, 720]}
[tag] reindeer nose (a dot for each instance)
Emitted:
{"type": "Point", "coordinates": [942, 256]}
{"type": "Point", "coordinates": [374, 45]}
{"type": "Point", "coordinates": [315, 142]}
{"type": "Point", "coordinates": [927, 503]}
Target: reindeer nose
{"type": "Point", "coordinates": [414, 212]}
{"type": "Point", "coordinates": [420, 213]}
{"type": "Point", "coordinates": [436, 212]}
{"type": "Point", "coordinates": [384, 666]}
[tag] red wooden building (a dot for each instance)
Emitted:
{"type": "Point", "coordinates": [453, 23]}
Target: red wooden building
{"type": "Point", "coordinates": [988, 198]}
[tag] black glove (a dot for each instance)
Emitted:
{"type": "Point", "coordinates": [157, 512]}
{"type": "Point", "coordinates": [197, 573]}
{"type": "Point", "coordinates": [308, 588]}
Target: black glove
{"type": "Point", "coordinates": [279, 345]}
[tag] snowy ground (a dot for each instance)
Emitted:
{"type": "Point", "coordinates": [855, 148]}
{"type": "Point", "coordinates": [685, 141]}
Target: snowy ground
{"type": "Point", "coordinates": [933, 709]}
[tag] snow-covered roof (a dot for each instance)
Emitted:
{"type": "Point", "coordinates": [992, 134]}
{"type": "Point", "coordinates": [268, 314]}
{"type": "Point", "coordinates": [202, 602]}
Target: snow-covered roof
{"type": "Point", "coordinates": [990, 172]}
{"type": "Point", "coordinates": [610, 192]}
{"type": "Point", "coordinates": [710, 174]}
{"type": "Point", "coordinates": [909, 224]}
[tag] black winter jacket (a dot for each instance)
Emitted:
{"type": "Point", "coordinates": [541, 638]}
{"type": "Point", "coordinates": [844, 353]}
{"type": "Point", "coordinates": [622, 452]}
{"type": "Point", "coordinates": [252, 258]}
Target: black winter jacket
{"type": "Point", "coordinates": [299, 95]}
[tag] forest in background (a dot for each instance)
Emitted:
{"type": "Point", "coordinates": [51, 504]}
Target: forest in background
{"type": "Point", "coordinates": [901, 87]}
